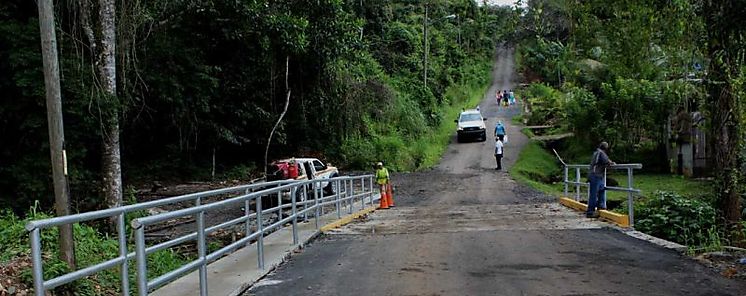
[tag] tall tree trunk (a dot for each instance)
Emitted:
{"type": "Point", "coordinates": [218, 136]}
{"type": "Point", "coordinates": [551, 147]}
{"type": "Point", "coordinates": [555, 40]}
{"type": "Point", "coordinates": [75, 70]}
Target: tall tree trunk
{"type": "Point", "coordinates": [56, 131]}
{"type": "Point", "coordinates": [111, 168]}
{"type": "Point", "coordinates": [102, 42]}
{"type": "Point", "coordinates": [723, 19]}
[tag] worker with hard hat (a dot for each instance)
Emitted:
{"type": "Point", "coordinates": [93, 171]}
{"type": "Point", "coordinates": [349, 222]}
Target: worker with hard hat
{"type": "Point", "coordinates": [384, 182]}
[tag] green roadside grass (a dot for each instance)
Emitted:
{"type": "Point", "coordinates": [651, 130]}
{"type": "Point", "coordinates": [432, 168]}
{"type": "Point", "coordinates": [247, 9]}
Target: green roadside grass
{"type": "Point", "coordinates": [650, 183]}
{"type": "Point", "coordinates": [537, 168]}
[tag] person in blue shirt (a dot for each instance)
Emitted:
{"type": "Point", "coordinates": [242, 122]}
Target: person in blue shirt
{"type": "Point", "coordinates": [500, 131]}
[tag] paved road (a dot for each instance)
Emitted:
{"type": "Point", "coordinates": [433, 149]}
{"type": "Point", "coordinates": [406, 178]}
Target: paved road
{"type": "Point", "coordinates": [466, 229]}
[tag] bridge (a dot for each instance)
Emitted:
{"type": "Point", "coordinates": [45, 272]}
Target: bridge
{"type": "Point", "coordinates": [462, 228]}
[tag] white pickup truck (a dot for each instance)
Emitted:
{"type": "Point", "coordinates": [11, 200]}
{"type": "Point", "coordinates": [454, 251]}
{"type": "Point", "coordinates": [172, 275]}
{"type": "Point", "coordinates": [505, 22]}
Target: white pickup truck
{"type": "Point", "coordinates": [308, 169]}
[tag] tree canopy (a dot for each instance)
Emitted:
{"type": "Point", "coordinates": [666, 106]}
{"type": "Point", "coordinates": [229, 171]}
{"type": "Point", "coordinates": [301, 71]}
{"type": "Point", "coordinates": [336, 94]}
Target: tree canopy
{"type": "Point", "coordinates": [201, 77]}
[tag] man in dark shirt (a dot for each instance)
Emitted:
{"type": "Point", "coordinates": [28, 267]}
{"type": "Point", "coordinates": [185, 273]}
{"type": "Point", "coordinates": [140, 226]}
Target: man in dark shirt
{"type": "Point", "coordinates": [599, 162]}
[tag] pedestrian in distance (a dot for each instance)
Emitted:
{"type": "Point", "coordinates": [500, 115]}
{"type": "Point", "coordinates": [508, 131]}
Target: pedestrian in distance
{"type": "Point", "coordinates": [498, 97]}
{"type": "Point", "coordinates": [506, 97]}
{"type": "Point", "coordinates": [597, 194]}
{"type": "Point", "coordinates": [384, 183]}
{"type": "Point", "coordinates": [511, 100]}
{"type": "Point", "coordinates": [500, 130]}
{"type": "Point", "coordinates": [498, 153]}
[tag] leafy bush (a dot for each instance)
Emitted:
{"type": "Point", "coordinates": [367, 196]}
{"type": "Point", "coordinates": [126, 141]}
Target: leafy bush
{"type": "Point", "coordinates": [546, 104]}
{"type": "Point", "coordinates": [582, 113]}
{"type": "Point", "coordinates": [674, 217]}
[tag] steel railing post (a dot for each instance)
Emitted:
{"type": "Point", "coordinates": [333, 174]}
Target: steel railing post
{"type": "Point", "coordinates": [566, 180]}
{"type": "Point", "coordinates": [279, 205]}
{"type": "Point", "coordinates": [362, 193]}
{"type": "Point", "coordinates": [577, 184]}
{"type": "Point", "coordinates": [124, 273]}
{"type": "Point", "coordinates": [141, 261]}
{"type": "Point", "coordinates": [602, 202]}
{"type": "Point", "coordinates": [38, 273]}
{"type": "Point", "coordinates": [260, 239]}
{"type": "Point", "coordinates": [339, 191]}
{"type": "Point", "coordinates": [295, 217]}
{"type": "Point", "coordinates": [305, 202]}
{"type": "Point", "coordinates": [316, 189]}
{"type": "Point", "coordinates": [351, 196]}
{"type": "Point", "coordinates": [630, 199]}
{"type": "Point", "coordinates": [321, 195]}
{"type": "Point", "coordinates": [372, 193]}
{"type": "Point", "coordinates": [202, 253]}
{"type": "Point", "coordinates": [247, 213]}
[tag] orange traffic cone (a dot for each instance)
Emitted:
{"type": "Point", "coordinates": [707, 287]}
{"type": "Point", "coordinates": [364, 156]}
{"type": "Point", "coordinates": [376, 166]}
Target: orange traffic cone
{"type": "Point", "coordinates": [389, 195]}
{"type": "Point", "coordinates": [384, 201]}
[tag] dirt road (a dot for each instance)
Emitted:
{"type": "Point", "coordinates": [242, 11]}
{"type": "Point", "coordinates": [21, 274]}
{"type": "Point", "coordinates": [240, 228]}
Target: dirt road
{"type": "Point", "coordinates": [464, 228]}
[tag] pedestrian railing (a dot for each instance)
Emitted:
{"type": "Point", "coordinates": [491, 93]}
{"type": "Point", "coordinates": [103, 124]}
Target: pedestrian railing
{"type": "Point", "coordinates": [311, 202]}
{"type": "Point", "coordinates": [246, 193]}
{"type": "Point", "coordinates": [631, 191]}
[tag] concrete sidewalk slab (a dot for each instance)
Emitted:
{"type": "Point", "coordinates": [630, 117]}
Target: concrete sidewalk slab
{"type": "Point", "coordinates": [233, 274]}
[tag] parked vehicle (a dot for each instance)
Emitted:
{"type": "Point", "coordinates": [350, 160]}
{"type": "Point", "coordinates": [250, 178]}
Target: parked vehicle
{"type": "Point", "coordinates": [471, 125]}
{"type": "Point", "coordinates": [303, 169]}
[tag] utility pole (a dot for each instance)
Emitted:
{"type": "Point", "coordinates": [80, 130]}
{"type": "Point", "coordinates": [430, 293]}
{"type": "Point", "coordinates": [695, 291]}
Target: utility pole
{"type": "Point", "coordinates": [56, 132]}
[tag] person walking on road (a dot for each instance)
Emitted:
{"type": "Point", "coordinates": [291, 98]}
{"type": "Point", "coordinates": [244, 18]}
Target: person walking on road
{"type": "Point", "coordinates": [511, 100]}
{"type": "Point", "coordinates": [498, 97]}
{"type": "Point", "coordinates": [500, 130]}
{"type": "Point", "coordinates": [506, 97]}
{"type": "Point", "coordinates": [597, 194]}
{"type": "Point", "coordinates": [384, 183]}
{"type": "Point", "coordinates": [498, 153]}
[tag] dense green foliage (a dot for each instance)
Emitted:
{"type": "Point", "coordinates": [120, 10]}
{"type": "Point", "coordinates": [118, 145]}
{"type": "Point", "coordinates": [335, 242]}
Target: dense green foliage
{"type": "Point", "coordinates": [613, 71]}
{"type": "Point", "coordinates": [203, 78]}
{"type": "Point", "coordinates": [673, 217]}
{"type": "Point", "coordinates": [627, 71]}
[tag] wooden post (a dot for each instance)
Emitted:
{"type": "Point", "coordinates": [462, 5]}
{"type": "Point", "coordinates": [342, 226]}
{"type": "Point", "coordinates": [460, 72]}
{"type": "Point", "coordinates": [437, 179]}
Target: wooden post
{"type": "Point", "coordinates": [56, 132]}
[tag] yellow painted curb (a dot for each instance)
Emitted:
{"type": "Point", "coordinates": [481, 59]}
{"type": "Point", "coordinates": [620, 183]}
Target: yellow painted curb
{"type": "Point", "coordinates": [616, 218]}
{"type": "Point", "coordinates": [347, 219]}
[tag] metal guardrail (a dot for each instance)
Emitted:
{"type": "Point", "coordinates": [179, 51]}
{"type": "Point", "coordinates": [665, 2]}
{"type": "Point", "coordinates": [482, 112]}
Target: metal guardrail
{"type": "Point", "coordinates": [35, 227]}
{"type": "Point", "coordinates": [631, 191]}
{"type": "Point", "coordinates": [310, 204]}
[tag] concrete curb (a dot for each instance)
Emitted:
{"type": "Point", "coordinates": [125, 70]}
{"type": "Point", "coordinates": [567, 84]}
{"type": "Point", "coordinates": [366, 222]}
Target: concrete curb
{"type": "Point", "coordinates": [616, 218]}
{"type": "Point", "coordinates": [654, 240]}
{"type": "Point", "coordinates": [347, 219]}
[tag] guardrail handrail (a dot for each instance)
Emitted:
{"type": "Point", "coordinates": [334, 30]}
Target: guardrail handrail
{"type": "Point", "coordinates": [35, 227]}
{"type": "Point", "coordinates": [318, 200]}
{"type": "Point", "coordinates": [105, 213]}
{"type": "Point", "coordinates": [249, 194]}
{"type": "Point", "coordinates": [631, 191]}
